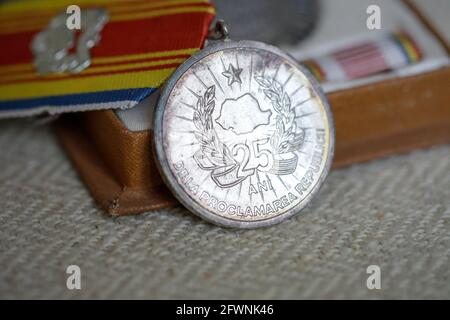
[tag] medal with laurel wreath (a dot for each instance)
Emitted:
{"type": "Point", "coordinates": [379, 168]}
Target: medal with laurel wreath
{"type": "Point", "coordinates": [215, 156]}
{"type": "Point", "coordinates": [243, 135]}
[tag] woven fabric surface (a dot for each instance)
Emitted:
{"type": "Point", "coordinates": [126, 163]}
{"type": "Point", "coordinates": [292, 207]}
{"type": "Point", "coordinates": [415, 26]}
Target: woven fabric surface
{"type": "Point", "coordinates": [394, 213]}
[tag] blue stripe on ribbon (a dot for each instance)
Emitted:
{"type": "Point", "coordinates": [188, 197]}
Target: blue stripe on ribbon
{"type": "Point", "coordinates": [402, 48]}
{"type": "Point", "coordinates": [77, 99]}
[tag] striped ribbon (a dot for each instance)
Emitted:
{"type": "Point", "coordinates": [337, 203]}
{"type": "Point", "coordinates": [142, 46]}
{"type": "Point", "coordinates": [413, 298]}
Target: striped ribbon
{"type": "Point", "coordinates": [141, 45]}
{"type": "Point", "coordinates": [391, 52]}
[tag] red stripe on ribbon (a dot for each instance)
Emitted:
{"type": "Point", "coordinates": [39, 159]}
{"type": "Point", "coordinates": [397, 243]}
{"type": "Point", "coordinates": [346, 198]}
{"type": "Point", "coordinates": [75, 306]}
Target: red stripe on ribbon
{"type": "Point", "coordinates": [166, 33]}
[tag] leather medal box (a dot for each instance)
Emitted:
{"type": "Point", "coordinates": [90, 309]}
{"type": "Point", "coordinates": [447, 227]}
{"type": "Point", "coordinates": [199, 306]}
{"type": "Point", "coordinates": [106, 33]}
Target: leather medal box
{"type": "Point", "coordinates": [383, 116]}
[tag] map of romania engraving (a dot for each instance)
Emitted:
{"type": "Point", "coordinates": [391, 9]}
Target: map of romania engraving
{"type": "Point", "coordinates": [246, 134]}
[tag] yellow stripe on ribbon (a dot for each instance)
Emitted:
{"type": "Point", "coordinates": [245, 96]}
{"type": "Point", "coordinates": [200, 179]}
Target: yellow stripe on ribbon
{"type": "Point", "coordinates": [44, 17]}
{"type": "Point", "coordinates": [22, 26]}
{"type": "Point", "coordinates": [158, 13]}
{"type": "Point", "coordinates": [92, 70]}
{"type": "Point", "coordinates": [19, 7]}
{"type": "Point", "coordinates": [142, 79]}
{"type": "Point", "coordinates": [9, 71]}
{"type": "Point", "coordinates": [20, 67]}
{"type": "Point", "coordinates": [411, 51]}
{"type": "Point", "coordinates": [140, 56]}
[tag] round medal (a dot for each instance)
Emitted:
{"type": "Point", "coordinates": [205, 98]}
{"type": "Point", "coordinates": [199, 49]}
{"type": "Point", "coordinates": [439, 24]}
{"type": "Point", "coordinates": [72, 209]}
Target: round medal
{"type": "Point", "coordinates": [243, 135]}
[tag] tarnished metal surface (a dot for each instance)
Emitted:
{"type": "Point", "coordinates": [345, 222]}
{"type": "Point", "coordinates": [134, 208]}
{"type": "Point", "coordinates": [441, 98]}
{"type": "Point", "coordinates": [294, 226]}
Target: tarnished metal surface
{"type": "Point", "coordinates": [243, 135]}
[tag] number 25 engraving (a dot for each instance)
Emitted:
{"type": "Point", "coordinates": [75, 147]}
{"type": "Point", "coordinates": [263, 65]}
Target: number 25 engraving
{"type": "Point", "coordinates": [255, 158]}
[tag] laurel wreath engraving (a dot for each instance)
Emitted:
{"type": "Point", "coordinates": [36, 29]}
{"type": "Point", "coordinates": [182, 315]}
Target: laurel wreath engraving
{"type": "Point", "coordinates": [216, 151]}
{"type": "Point", "coordinates": [287, 137]}
{"type": "Point", "coordinates": [217, 157]}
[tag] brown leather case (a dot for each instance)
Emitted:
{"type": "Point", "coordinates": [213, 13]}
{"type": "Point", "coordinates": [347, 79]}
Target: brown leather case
{"type": "Point", "coordinates": [372, 121]}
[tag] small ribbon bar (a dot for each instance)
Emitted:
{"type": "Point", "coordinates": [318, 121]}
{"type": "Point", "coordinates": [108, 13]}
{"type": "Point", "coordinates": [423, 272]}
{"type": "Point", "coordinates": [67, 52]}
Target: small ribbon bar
{"type": "Point", "coordinates": [390, 52]}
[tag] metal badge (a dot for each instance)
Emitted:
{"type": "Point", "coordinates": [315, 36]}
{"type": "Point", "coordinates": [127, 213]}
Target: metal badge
{"type": "Point", "coordinates": [51, 47]}
{"type": "Point", "coordinates": [244, 137]}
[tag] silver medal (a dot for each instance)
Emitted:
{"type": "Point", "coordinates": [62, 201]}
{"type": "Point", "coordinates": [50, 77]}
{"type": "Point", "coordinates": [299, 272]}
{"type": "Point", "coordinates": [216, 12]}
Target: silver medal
{"type": "Point", "coordinates": [243, 135]}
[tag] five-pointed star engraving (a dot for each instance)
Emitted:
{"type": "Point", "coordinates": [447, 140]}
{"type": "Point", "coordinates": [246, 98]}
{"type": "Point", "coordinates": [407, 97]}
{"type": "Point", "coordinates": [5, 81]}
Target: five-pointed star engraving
{"type": "Point", "coordinates": [233, 74]}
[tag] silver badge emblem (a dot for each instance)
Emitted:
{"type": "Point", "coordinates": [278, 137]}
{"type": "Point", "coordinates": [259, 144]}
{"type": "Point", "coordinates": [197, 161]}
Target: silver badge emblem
{"type": "Point", "coordinates": [51, 47]}
{"type": "Point", "coordinates": [244, 136]}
